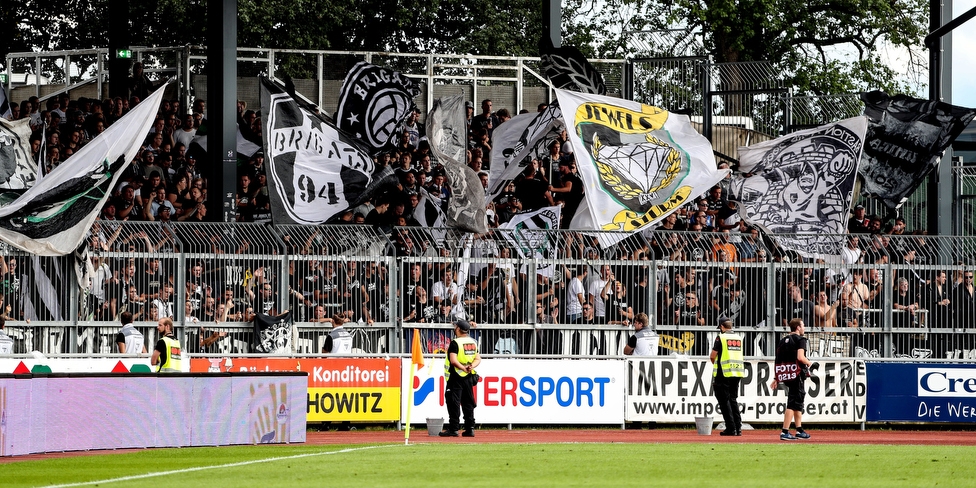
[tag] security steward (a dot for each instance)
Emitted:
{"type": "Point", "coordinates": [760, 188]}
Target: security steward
{"type": "Point", "coordinates": [462, 358]}
{"type": "Point", "coordinates": [166, 354]}
{"type": "Point", "coordinates": [339, 340]}
{"type": "Point", "coordinates": [644, 341]}
{"type": "Point", "coordinates": [727, 371]}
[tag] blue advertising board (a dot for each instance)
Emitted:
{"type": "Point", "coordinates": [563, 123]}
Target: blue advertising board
{"type": "Point", "coordinates": [921, 392]}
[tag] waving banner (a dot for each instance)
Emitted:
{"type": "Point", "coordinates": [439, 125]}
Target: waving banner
{"type": "Point", "coordinates": [798, 187]}
{"type": "Point", "coordinates": [52, 217]}
{"type": "Point", "coordinates": [447, 133]}
{"type": "Point", "coordinates": [372, 102]}
{"type": "Point", "coordinates": [568, 69]}
{"type": "Point", "coordinates": [905, 141]}
{"type": "Point", "coordinates": [18, 170]}
{"type": "Point", "coordinates": [5, 112]}
{"type": "Point", "coordinates": [520, 140]}
{"type": "Point", "coordinates": [314, 170]}
{"type": "Point", "coordinates": [638, 163]}
{"type": "Point", "coordinates": [533, 237]}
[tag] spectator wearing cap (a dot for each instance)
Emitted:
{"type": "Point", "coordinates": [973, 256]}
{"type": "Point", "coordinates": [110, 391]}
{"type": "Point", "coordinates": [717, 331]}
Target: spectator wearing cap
{"type": "Point", "coordinates": [159, 203]}
{"type": "Point", "coordinates": [459, 367]}
{"type": "Point", "coordinates": [507, 204]}
{"type": "Point", "coordinates": [858, 223]}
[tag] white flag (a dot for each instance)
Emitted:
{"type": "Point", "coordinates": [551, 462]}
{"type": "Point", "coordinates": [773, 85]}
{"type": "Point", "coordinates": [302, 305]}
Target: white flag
{"type": "Point", "coordinates": [638, 163]}
{"type": "Point", "coordinates": [5, 112]}
{"type": "Point", "coordinates": [533, 236]}
{"type": "Point", "coordinates": [52, 217]}
{"type": "Point", "coordinates": [447, 134]}
{"type": "Point", "coordinates": [798, 187]}
{"type": "Point", "coordinates": [519, 140]}
{"type": "Point", "coordinates": [18, 170]}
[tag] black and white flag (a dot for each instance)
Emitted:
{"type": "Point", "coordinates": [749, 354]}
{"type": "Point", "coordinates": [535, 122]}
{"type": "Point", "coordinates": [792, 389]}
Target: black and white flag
{"type": "Point", "coordinates": [534, 236]}
{"type": "Point", "coordinates": [52, 217]}
{"type": "Point", "coordinates": [518, 141]}
{"type": "Point", "coordinates": [568, 69]}
{"type": "Point", "coordinates": [272, 333]}
{"type": "Point", "coordinates": [447, 133]}
{"type": "Point", "coordinates": [905, 141]}
{"type": "Point", "coordinates": [314, 170]}
{"type": "Point", "coordinates": [798, 187]}
{"type": "Point", "coordinates": [18, 170]}
{"type": "Point", "coordinates": [5, 112]}
{"type": "Point", "coordinates": [372, 103]}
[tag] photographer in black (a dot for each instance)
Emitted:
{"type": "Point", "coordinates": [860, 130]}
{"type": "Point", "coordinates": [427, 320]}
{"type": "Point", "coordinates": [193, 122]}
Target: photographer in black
{"type": "Point", "coordinates": [791, 368]}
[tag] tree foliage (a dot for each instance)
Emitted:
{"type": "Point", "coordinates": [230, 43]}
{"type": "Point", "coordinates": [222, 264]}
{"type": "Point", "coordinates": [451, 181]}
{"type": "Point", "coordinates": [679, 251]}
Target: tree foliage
{"type": "Point", "coordinates": [823, 46]}
{"type": "Point", "coordinates": [820, 47]}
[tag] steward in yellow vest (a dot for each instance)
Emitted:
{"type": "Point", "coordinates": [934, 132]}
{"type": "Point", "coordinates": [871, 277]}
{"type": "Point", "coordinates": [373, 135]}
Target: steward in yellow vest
{"type": "Point", "coordinates": [727, 370]}
{"type": "Point", "coordinates": [462, 358]}
{"type": "Point", "coordinates": [167, 354]}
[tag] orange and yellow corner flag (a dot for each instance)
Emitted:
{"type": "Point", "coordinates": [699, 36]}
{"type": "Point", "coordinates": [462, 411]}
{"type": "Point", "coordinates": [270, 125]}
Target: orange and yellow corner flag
{"type": "Point", "coordinates": [416, 353]}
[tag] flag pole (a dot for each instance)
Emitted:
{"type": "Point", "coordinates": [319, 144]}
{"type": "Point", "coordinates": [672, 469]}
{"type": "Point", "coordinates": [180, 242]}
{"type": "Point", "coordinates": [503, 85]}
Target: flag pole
{"type": "Point", "coordinates": [413, 370]}
{"type": "Point", "coordinates": [416, 362]}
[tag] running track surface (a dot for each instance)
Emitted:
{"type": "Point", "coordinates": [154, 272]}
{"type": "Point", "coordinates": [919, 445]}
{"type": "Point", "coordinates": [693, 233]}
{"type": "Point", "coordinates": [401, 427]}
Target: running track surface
{"type": "Point", "coordinates": [764, 436]}
{"type": "Point", "coordinates": [526, 436]}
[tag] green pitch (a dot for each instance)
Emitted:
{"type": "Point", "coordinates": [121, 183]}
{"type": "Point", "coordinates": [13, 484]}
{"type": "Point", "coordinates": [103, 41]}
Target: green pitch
{"type": "Point", "coordinates": [425, 465]}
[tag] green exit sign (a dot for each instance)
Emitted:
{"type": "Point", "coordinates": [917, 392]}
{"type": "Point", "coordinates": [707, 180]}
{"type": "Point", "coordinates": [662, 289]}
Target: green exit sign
{"type": "Point", "coordinates": [3, 78]}
{"type": "Point", "coordinates": [123, 54]}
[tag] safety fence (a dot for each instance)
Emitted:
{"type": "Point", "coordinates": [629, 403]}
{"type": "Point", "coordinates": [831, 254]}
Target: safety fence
{"type": "Point", "coordinates": [536, 292]}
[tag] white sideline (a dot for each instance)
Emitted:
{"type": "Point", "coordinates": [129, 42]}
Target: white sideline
{"type": "Point", "coordinates": [219, 466]}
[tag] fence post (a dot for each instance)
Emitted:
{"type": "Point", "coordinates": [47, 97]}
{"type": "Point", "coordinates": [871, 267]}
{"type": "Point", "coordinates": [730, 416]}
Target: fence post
{"type": "Point", "coordinates": [887, 319]}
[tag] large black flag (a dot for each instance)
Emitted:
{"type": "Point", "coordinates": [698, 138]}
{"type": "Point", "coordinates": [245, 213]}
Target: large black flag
{"type": "Point", "coordinates": [905, 141]}
{"type": "Point", "coordinates": [568, 69]}
{"type": "Point", "coordinates": [314, 170]}
{"type": "Point", "coordinates": [372, 102]}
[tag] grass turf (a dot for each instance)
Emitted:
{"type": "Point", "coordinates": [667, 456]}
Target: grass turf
{"type": "Point", "coordinates": [426, 465]}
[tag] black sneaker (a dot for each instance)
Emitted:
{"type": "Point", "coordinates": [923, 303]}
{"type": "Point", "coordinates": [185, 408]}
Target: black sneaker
{"type": "Point", "coordinates": [727, 433]}
{"type": "Point", "coordinates": [467, 433]}
{"type": "Point", "coordinates": [448, 433]}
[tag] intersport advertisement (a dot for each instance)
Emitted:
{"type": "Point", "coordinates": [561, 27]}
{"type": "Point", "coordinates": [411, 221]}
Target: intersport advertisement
{"type": "Point", "coordinates": [519, 391]}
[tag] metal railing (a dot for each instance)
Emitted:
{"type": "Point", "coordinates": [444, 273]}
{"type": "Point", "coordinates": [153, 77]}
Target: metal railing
{"type": "Point", "coordinates": [511, 82]}
{"type": "Point", "coordinates": [522, 288]}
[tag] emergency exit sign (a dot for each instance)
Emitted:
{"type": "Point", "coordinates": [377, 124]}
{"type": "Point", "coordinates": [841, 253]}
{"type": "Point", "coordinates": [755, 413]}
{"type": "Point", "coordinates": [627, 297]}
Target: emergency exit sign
{"type": "Point", "coordinates": [123, 54]}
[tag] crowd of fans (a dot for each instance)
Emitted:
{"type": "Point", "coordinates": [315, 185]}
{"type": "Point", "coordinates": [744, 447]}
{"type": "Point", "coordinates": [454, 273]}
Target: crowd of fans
{"type": "Point", "coordinates": [165, 183]}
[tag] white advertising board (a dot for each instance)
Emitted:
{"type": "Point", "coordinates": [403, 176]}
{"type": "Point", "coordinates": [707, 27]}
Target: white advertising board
{"type": "Point", "coordinates": [525, 391]}
{"type": "Point", "coordinates": [678, 390]}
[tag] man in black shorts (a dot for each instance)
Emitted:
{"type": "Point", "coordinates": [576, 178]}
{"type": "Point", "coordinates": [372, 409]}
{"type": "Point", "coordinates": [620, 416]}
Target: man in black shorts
{"type": "Point", "coordinates": [790, 371]}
